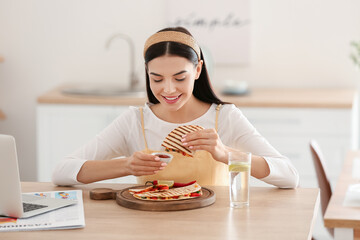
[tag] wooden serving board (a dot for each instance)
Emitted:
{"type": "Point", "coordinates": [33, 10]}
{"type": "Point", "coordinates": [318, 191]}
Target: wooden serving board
{"type": "Point", "coordinates": [125, 199]}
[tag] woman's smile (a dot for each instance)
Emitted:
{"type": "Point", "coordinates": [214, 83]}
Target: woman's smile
{"type": "Point", "coordinates": [171, 99]}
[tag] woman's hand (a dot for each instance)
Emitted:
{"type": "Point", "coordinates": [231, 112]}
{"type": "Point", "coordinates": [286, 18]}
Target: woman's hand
{"type": "Point", "coordinates": [140, 164]}
{"type": "Point", "coordinates": [209, 140]}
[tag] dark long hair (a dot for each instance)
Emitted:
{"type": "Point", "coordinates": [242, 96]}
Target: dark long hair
{"type": "Point", "coordinates": [202, 86]}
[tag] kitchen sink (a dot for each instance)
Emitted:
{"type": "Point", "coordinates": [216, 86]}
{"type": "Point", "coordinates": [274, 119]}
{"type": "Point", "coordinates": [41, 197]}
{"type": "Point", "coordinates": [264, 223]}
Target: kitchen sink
{"type": "Point", "coordinates": [103, 91]}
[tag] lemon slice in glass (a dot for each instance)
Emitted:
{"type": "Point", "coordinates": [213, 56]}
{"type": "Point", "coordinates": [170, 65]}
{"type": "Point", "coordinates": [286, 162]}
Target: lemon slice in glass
{"type": "Point", "coordinates": [170, 183]}
{"type": "Point", "coordinates": [239, 167]}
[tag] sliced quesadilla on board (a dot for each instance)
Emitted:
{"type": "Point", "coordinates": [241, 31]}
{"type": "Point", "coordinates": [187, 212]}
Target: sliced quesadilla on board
{"type": "Point", "coordinates": [191, 191]}
{"type": "Point", "coordinates": [154, 188]}
{"type": "Point", "coordinates": [173, 141]}
{"type": "Point", "coordinates": [159, 185]}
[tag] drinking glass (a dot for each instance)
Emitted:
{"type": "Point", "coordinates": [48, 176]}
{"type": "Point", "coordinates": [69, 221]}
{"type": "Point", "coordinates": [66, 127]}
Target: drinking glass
{"type": "Point", "coordinates": [239, 176]}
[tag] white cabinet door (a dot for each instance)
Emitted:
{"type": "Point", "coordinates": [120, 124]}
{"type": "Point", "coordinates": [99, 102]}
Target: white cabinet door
{"type": "Point", "coordinates": [290, 130]}
{"type": "Point", "coordinates": [61, 129]}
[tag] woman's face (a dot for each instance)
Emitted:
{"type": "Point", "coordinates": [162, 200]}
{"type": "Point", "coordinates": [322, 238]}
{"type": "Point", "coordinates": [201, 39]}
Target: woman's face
{"type": "Point", "coordinates": [172, 80]}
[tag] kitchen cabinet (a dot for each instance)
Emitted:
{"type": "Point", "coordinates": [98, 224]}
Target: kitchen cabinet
{"type": "Point", "coordinates": [289, 130]}
{"type": "Point", "coordinates": [287, 118]}
{"type": "Point", "coordinates": [61, 129]}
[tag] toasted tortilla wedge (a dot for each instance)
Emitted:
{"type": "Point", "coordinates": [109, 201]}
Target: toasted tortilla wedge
{"type": "Point", "coordinates": [156, 188]}
{"type": "Point", "coordinates": [173, 141]}
{"type": "Point", "coordinates": [180, 193]}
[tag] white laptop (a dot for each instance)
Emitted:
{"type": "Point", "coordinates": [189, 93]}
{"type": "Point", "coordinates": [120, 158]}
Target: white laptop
{"type": "Point", "coordinates": [12, 202]}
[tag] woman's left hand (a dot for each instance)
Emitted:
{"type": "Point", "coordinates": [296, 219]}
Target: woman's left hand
{"type": "Point", "coordinates": [208, 140]}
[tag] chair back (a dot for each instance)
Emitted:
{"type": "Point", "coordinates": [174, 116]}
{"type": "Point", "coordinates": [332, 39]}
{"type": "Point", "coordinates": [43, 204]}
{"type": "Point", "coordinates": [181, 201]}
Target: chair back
{"type": "Point", "coordinates": [322, 177]}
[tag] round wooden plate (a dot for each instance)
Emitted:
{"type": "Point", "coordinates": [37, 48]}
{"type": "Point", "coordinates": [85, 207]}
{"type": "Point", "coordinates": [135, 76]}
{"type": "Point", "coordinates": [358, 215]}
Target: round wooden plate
{"type": "Point", "coordinates": [125, 199]}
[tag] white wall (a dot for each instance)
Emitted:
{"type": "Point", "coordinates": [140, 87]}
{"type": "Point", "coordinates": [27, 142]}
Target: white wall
{"type": "Point", "coordinates": [302, 43]}
{"type": "Point", "coordinates": [47, 43]}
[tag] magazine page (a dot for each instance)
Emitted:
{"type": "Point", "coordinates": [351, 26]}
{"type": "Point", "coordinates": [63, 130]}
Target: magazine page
{"type": "Point", "coordinates": [63, 218]}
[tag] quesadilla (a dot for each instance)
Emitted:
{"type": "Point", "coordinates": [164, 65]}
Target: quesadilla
{"type": "Point", "coordinates": [191, 191]}
{"type": "Point", "coordinates": [154, 188]}
{"type": "Point", "coordinates": [173, 141]}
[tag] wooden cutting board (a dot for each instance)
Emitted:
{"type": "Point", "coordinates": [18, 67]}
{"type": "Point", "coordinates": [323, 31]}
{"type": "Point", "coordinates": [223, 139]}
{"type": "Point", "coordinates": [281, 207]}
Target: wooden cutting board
{"type": "Point", "coordinates": [125, 199]}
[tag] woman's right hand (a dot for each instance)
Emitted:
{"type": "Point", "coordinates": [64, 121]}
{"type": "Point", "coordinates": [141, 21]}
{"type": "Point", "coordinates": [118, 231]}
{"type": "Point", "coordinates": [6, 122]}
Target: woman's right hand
{"type": "Point", "coordinates": [140, 163]}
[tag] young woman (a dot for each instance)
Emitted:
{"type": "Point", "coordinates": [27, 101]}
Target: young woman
{"type": "Point", "coordinates": [179, 93]}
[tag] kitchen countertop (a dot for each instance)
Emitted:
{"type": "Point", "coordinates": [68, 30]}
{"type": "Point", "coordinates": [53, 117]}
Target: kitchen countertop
{"type": "Point", "coordinates": [257, 97]}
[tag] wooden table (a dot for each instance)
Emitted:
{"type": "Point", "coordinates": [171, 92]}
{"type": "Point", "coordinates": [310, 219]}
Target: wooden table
{"type": "Point", "coordinates": [345, 220]}
{"type": "Point", "coordinates": [273, 214]}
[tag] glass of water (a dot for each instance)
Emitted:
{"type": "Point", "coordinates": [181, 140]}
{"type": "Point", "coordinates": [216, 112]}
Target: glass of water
{"type": "Point", "coordinates": [239, 176]}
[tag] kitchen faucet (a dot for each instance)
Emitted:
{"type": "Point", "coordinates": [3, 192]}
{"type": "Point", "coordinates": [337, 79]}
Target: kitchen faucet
{"type": "Point", "coordinates": [133, 78]}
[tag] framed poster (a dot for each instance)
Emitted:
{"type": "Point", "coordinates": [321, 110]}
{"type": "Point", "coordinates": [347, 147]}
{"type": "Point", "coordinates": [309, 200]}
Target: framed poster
{"type": "Point", "coordinates": [221, 27]}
